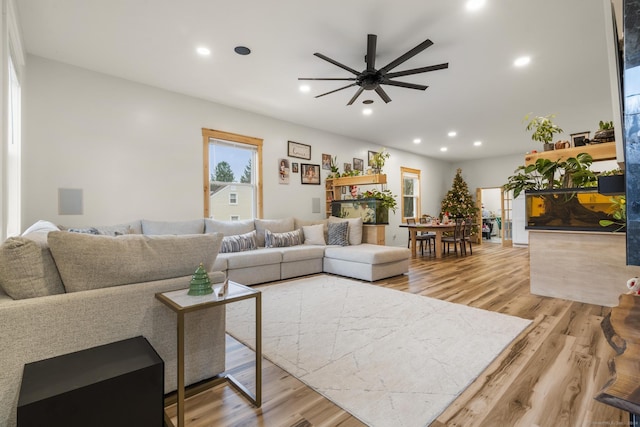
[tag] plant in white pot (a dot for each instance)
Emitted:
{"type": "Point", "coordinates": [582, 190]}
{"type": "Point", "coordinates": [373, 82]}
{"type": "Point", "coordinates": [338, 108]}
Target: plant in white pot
{"type": "Point", "coordinates": [543, 129]}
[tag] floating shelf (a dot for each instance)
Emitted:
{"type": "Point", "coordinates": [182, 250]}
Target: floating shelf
{"type": "Point", "coordinates": [603, 151]}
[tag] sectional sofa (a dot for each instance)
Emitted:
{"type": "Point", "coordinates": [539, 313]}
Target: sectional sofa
{"type": "Point", "coordinates": [65, 291]}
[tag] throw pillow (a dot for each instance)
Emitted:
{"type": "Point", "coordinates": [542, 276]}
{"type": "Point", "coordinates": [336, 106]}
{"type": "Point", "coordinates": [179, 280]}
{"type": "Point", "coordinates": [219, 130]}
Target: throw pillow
{"type": "Point", "coordinates": [41, 225]}
{"type": "Point", "coordinates": [355, 228]}
{"type": "Point", "coordinates": [283, 240]}
{"type": "Point", "coordinates": [273, 225]}
{"type": "Point", "coordinates": [27, 269]}
{"type": "Point", "coordinates": [239, 243]}
{"type": "Point", "coordinates": [229, 228]}
{"type": "Point", "coordinates": [91, 262]}
{"type": "Point", "coordinates": [339, 233]}
{"type": "Point", "coordinates": [314, 234]}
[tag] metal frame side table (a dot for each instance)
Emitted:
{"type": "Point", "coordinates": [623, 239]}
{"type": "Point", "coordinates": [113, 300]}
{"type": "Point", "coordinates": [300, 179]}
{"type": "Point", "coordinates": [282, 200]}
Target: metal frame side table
{"type": "Point", "coordinates": [181, 304]}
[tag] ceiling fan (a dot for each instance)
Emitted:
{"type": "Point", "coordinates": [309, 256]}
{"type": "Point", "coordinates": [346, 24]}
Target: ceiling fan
{"type": "Point", "coordinates": [371, 79]}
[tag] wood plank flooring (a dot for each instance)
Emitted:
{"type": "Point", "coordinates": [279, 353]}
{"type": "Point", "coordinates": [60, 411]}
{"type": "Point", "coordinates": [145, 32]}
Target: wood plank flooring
{"type": "Point", "coordinates": [546, 377]}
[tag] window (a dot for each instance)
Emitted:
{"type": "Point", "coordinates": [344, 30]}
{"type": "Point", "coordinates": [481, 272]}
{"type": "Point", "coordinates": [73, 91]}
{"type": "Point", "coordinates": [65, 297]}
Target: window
{"type": "Point", "coordinates": [410, 193]}
{"type": "Point", "coordinates": [232, 175]}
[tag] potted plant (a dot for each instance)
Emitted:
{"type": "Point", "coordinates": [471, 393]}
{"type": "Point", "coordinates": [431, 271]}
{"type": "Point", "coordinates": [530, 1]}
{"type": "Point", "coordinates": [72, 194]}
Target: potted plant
{"type": "Point", "coordinates": [378, 160]}
{"type": "Point", "coordinates": [611, 182]}
{"type": "Point", "coordinates": [605, 133]}
{"type": "Point", "coordinates": [543, 129]}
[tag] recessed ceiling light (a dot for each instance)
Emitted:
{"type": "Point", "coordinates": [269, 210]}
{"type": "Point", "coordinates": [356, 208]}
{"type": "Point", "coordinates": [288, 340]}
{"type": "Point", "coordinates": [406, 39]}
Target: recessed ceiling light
{"type": "Point", "coordinates": [443, 149]}
{"type": "Point", "coordinates": [242, 50]}
{"type": "Point", "coordinates": [452, 133]}
{"type": "Point", "coordinates": [522, 61]}
{"type": "Point", "coordinates": [417, 141]}
{"type": "Point", "coordinates": [475, 4]}
{"type": "Point", "coordinates": [203, 51]}
{"type": "Point", "coordinates": [477, 143]}
{"type": "Point", "coordinates": [368, 101]}
{"type": "Point", "coordinates": [367, 111]}
{"type": "Point", "coordinates": [305, 88]}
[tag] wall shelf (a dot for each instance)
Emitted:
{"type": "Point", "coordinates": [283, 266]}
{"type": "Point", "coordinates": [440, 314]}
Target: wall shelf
{"type": "Point", "coordinates": [603, 151]}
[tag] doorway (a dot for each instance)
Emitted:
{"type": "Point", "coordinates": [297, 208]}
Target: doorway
{"type": "Point", "coordinates": [489, 203]}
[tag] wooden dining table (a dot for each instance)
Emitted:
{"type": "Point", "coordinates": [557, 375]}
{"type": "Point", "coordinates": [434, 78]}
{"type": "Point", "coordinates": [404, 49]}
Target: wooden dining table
{"type": "Point", "coordinates": [438, 229]}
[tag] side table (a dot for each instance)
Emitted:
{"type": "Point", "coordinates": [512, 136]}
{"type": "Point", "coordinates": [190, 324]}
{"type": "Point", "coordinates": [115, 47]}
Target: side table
{"type": "Point", "coordinates": [182, 303]}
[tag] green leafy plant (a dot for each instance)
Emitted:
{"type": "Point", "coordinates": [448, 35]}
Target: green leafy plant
{"type": "Point", "coordinates": [605, 125]}
{"type": "Point", "coordinates": [619, 213]}
{"type": "Point", "coordinates": [543, 128]}
{"type": "Point", "coordinates": [378, 159]}
{"type": "Point", "coordinates": [387, 198]}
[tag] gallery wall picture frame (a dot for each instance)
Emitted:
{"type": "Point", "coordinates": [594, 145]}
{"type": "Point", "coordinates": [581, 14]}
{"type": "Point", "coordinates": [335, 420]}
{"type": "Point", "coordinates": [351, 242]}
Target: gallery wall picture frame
{"type": "Point", "coordinates": [310, 174]}
{"type": "Point", "coordinates": [347, 167]}
{"type": "Point", "coordinates": [326, 161]}
{"type": "Point", "coordinates": [283, 171]}
{"type": "Point", "coordinates": [358, 164]}
{"type": "Point", "coordinates": [301, 151]}
{"type": "Point", "coordinates": [370, 155]}
{"type": "Point", "coordinates": [294, 167]}
{"type": "Point", "coordinates": [579, 139]}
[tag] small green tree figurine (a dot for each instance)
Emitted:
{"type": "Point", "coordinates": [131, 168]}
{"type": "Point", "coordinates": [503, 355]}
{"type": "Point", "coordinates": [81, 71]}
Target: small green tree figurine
{"type": "Point", "coordinates": [458, 202]}
{"type": "Point", "coordinates": [200, 283]}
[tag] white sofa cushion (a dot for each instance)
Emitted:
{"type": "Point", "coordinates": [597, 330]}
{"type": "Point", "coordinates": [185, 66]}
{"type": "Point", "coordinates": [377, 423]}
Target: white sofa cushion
{"type": "Point", "coordinates": [229, 228]}
{"type": "Point", "coordinates": [90, 262]}
{"type": "Point", "coordinates": [195, 226]}
{"type": "Point", "coordinates": [301, 253]}
{"type": "Point", "coordinates": [263, 256]}
{"type": "Point", "coordinates": [368, 253]}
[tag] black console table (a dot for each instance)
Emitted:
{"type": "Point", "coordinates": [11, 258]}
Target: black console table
{"type": "Point", "coordinates": [121, 383]}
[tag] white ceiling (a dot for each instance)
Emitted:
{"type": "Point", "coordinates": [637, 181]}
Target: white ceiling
{"type": "Point", "coordinates": [482, 95]}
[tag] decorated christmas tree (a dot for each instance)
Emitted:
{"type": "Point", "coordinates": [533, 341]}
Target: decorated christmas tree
{"type": "Point", "coordinates": [458, 202]}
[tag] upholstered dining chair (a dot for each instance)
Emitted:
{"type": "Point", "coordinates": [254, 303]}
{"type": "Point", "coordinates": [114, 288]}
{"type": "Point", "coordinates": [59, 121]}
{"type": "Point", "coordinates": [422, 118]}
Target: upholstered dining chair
{"type": "Point", "coordinates": [431, 241]}
{"type": "Point", "coordinates": [455, 238]}
{"type": "Point", "coordinates": [419, 236]}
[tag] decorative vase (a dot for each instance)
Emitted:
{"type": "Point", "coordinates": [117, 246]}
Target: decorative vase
{"type": "Point", "coordinates": [200, 283]}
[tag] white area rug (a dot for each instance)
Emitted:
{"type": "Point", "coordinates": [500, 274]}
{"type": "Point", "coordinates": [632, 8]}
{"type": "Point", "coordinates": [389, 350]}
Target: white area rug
{"type": "Point", "coordinates": [389, 358]}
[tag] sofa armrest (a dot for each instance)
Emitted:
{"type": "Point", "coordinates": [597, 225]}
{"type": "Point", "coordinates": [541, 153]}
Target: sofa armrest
{"type": "Point", "coordinates": [39, 328]}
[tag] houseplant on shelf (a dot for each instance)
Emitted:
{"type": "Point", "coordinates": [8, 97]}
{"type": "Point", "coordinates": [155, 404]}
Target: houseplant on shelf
{"type": "Point", "coordinates": [378, 160]}
{"type": "Point", "coordinates": [543, 129]}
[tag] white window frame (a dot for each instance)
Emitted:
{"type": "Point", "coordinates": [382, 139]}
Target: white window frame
{"type": "Point", "coordinates": [409, 173]}
{"type": "Point", "coordinates": [233, 198]}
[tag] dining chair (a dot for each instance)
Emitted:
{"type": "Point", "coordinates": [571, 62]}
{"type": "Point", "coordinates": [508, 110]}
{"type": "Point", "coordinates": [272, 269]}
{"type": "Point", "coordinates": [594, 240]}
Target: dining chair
{"type": "Point", "coordinates": [419, 236]}
{"type": "Point", "coordinates": [466, 236]}
{"type": "Point", "coordinates": [431, 241]}
{"type": "Point", "coordinates": [455, 238]}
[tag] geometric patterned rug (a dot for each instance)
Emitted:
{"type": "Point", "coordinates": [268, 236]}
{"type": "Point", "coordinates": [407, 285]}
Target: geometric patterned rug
{"type": "Point", "coordinates": [389, 358]}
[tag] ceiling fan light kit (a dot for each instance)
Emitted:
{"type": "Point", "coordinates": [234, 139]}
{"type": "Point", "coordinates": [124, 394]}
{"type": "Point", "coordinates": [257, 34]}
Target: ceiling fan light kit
{"type": "Point", "coordinates": [372, 79]}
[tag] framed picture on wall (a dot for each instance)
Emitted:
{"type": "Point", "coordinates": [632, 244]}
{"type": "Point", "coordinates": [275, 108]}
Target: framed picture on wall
{"type": "Point", "coordinates": [310, 174]}
{"type": "Point", "coordinates": [579, 139]}
{"type": "Point", "coordinates": [326, 161]}
{"type": "Point", "coordinates": [294, 167]}
{"type": "Point", "coordinates": [358, 164]}
{"type": "Point", "coordinates": [301, 151]}
{"type": "Point", "coordinates": [370, 155]}
{"type": "Point", "coordinates": [283, 171]}
{"type": "Point", "coordinates": [347, 167]}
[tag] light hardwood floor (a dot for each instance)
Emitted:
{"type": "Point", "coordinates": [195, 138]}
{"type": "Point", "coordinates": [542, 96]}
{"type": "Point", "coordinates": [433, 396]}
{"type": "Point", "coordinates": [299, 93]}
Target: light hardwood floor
{"type": "Point", "coordinates": [546, 377]}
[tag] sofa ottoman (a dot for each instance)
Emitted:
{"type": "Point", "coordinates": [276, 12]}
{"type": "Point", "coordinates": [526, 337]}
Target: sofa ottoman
{"type": "Point", "coordinates": [366, 261]}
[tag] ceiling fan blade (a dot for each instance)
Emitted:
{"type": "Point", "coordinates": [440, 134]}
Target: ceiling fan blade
{"type": "Point", "coordinates": [410, 54]}
{"type": "Point", "coordinates": [371, 51]}
{"type": "Point", "coordinates": [327, 93]}
{"type": "Point", "coordinates": [383, 95]}
{"type": "Point", "coordinates": [418, 70]}
{"type": "Point", "coordinates": [323, 78]}
{"type": "Point", "coordinates": [353, 99]}
{"type": "Point", "coordinates": [404, 84]}
{"type": "Point", "coordinates": [336, 63]}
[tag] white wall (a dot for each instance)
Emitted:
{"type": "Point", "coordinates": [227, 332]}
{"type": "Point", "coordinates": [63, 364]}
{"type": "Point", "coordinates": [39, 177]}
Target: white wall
{"type": "Point", "coordinates": [136, 151]}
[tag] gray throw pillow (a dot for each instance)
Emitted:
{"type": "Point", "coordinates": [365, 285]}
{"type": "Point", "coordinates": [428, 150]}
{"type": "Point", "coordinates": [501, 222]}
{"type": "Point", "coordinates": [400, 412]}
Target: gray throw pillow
{"type": "Point", "coordinates": [239, 243]}
{"type": "Point", "coordinates": [88, 262]}
{"type": "Point", "coordinates": [283, 240]}
{"type": "Point", "coordinates": [27, 269]}
{"type": "Point", "coordinates": [338, 233]}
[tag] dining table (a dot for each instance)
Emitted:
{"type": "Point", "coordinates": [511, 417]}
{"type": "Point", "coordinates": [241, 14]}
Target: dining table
{"type": "Point", "coordinates": [438, 229]}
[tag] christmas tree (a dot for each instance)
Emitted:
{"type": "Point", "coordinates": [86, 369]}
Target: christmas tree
{"type": "Point", "coordinates": [458, 202]}
{"type": "Point", "coordinates": [200, 283]}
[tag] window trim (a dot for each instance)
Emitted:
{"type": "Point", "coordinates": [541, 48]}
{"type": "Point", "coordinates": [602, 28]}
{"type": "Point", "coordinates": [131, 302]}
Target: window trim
{"type": "Point", "coordinates": [208, 134]}
{"type": "Point", "coordinates": [417, 197]}
{"type": "Point", "coordinates": [235, 198]}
